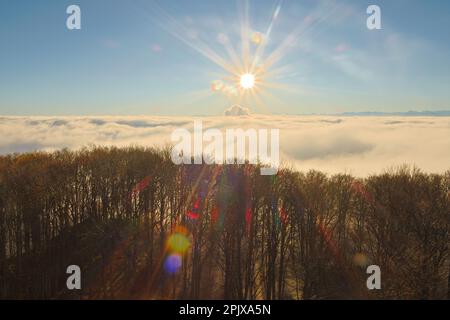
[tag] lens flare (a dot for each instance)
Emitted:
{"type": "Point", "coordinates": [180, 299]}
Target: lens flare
{"type": "Point", "coordinates": [360, 259]}
{"type": "Point", "coordinates": [173, 263]}
{"type": "Point", "coordinates": [257, 38]}
{"type": "Point", "coordinates": [178, 243]}
{"type": "Point", "coordinates": [216, 85]}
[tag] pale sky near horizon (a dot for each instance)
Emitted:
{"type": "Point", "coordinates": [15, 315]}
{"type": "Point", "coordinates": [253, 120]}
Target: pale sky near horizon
{"type": "Point", "coordinates": [160, 57]}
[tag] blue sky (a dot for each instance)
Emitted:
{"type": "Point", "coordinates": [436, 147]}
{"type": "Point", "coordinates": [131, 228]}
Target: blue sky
{"type": "Point", "coordinates": [130, 57]}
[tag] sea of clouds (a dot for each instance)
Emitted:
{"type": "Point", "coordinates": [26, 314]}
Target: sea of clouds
{"type": "Point", "coordinates": [356, 145]}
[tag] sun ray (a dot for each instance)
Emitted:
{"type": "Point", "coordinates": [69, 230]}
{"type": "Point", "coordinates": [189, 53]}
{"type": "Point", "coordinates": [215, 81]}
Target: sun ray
{"type": "Point", "coordinates": [232, 53]}
{"type": "Point", "coordinates": [251, 74]}
{"type": "Point", "coordinates": [280, 71]}
{"type": "Point", "coordinates": [258, 100]}
{"type": "Point", "coordinates": [260, 50]}
{"type": "Point", "coordinates": [270, 96]}
{"type": "Point", "coordinates": [308, 24]}
{"type": "Point", "coordinates": [281, 86]}
{"type": "Point", "coordinates": [243, 10]}
{"type": "Point", "coordinates": [172, 26]}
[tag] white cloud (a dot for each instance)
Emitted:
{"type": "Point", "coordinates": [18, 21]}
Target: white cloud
{"type": "Point", "coordinates": [237, 110]}
{"type": "Point", "coordinates": [357, 145]}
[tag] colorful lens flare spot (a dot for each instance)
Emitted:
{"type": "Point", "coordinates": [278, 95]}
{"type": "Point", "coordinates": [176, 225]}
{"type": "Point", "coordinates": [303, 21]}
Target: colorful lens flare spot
{"type": "Point", "coordinates": [193, 215]}
{"type": "Point", "coordinates": [173, 263]}
{"type": "Point", "coordinates": [360, 260]}
{"type": "Point", "coordinates": [178, 243]}
{"type": "Point", "coordinates": [217, 85]}
{"type": "Point", "coordinates": [257, 38]}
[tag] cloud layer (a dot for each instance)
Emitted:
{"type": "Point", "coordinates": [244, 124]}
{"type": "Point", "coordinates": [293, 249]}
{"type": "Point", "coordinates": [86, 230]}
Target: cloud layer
{"type": "Point", "coordinates": [357, 145]}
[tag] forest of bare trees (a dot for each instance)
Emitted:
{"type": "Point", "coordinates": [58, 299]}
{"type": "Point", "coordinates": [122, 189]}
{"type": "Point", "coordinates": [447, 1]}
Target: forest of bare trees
{"type": "Point", "coordinates": [291, 236]}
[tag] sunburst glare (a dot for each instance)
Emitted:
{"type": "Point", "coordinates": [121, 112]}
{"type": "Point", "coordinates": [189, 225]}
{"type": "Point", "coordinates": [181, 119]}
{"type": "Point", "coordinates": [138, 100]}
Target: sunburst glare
{"type": "Point", "coordinates": [250, 71]}
{"type": "Point", "coordinates": [247, 81]}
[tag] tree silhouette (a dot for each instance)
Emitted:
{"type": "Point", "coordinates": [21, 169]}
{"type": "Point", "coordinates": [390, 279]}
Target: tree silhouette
{"type": "Point", "coordinates": [291, 236]}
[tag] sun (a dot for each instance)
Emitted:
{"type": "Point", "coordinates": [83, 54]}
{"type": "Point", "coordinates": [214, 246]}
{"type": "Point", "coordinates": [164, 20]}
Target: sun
{"type": "Point", "coordinates": [247, 81]}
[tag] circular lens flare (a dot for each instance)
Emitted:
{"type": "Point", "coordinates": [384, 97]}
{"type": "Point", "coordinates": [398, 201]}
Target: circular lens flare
{"type": "Point", "coordinates": [361, 260]}
{"type": "Point", "coordinates": [178, 243]}
{"type": "Point", "coordinates": [257, 38]}
{"type": "Point", "coordinates": [247, 81]}
{"type": "Point", "coordinates": [173, 263]}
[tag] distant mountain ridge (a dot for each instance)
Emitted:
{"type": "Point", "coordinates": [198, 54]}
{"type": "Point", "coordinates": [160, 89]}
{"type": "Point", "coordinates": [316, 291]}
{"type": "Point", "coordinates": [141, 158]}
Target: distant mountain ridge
{"type": "Point", "coordinates": [440, 113]}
